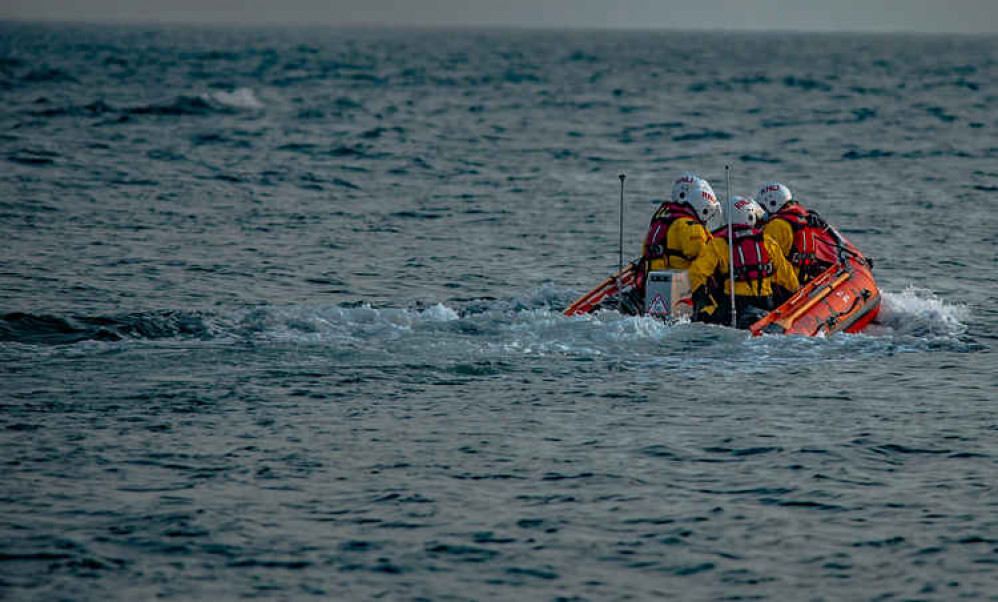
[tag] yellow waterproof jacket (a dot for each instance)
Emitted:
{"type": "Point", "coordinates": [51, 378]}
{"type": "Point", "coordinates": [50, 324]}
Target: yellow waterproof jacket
{"type": "Point", "coordinates": [684, 241]}
{"type": "Point", "coordinates": [715, 258]}
{"type": "Point", "coordinates": [782, 232]}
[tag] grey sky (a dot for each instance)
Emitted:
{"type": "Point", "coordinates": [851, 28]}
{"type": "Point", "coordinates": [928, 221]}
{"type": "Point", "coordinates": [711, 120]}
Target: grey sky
{"type": "Point", "coordinates": [965, 16]}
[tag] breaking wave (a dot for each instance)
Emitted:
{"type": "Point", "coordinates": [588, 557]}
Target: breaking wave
{"type": "Point", "coordinates": [240, 99]}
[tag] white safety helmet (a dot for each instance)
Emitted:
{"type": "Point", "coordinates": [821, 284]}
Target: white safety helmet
{"type": "Point", "coordinates": [774, 195]}
{"type": "Point", "coordinates": [681, 187]}
{"type": "Point", "coordinates": [703, 201]}
{"type": "Point", "coordinates": [745, 211]}
{"type": "Point", "coordinates": [716, 220]}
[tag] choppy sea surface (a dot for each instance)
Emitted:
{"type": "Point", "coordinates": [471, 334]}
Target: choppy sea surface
{"type": "Point", "coordinates": [280, 318]}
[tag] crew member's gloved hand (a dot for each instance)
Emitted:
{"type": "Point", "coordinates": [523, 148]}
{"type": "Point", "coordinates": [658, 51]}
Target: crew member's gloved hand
{"type": "Point", "coordinates": [700, 300]}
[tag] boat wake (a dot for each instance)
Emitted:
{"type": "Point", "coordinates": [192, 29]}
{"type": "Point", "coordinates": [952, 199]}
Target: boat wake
{"type": "Point", "coordinates": [532, 323]}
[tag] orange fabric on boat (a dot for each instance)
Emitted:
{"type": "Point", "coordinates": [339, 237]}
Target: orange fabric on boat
{"type": "Point", "coordinates": [843, 298]}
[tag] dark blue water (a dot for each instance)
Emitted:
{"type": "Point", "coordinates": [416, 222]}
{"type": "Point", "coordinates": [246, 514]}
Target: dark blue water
{"type": "Point", "coordinates": [280, 318]}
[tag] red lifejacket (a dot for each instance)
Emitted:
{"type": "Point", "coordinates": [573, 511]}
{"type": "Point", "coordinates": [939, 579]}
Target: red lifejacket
{"type": "Point", "coordinates": [803, 253]}
{"type": "Point", "coordinates": [656, 241]}
{"type": "Point", "coordinates": [752, 262]}
{"type": "Point", "coordinates": [658, 229]}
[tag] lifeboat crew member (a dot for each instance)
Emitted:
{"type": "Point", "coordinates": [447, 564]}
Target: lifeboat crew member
{"type": "Point", "coordinates": [753, 207]}
{"type": "Point", "coordinates": [678, 230]}
{"type": "Point", "coordinates": [794, 228]}
{"type": "Point", "coordinates": [720, 228]}
{"type": "Point", "coordinates": [759, 266]}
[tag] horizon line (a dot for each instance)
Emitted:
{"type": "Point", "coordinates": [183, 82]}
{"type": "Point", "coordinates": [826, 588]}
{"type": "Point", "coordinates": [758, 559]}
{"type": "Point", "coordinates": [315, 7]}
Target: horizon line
{"type": "Point", "coordinates": [370, 26]}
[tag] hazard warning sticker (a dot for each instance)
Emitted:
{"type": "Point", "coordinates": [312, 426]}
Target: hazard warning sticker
{"type": "Point", "coordinates": [658, 306]}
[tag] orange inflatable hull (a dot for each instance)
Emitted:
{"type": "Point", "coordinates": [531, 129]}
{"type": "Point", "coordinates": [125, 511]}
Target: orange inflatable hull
{"type": "Point", "coordinates": [843, 298]}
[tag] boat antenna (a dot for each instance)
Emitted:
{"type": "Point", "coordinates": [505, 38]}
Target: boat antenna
{"type": "Point", "coordinates": [731, 244]}
{"type": "Point", "coordinates": [620, 245]}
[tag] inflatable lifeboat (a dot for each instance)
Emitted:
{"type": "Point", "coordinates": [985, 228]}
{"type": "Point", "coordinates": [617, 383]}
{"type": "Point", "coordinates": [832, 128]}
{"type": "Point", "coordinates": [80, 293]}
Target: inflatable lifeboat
{"type": "Point", "coordinates": [843, 298]}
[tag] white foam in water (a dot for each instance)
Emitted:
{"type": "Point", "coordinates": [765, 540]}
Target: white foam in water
{"type": "Point", "coordinates": [633, 328]}
{"type": "Point", "coordinates": [543, 331]}
{"type": "Point", "coordinates": [914, 316]}
{"type": "Point", "coordinates": [919, 312]}
{"type": "Point", "coordinates": [439, 313]}
{"type": "Point", "coordinates": [241, 98]}
{"type": "Point", "coordinates": [318, 324]}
